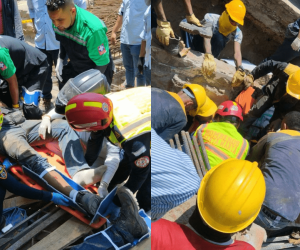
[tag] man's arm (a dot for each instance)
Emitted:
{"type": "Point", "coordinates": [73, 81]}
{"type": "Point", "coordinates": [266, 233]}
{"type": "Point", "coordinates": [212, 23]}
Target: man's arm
{"type": "Point", "coordinates": [188, 7]}
{"type": "Point", "coordinates": [258, 150]}
{"type": "Point", "coordinates": [93, 147]}
{"type": "Point", "coordinates": [159, 10]}
{"type": "Point", "coordinates": [207, 45]}
{"type": "Point", "coordinates": [13, 89]}
{"type": "Point", "coordinates": [268, 67]}
{"type": "Point", "coordinates": [237, 54]}
{"type": "Point", "coordinates": [115, 29]}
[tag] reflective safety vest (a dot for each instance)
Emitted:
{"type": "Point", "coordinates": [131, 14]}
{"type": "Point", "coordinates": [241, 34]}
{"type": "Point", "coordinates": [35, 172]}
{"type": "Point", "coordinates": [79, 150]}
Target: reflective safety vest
{"type": "Point", "coordinates": [132, 113]}
{"type": "Point", "coordinates": [222, 141]}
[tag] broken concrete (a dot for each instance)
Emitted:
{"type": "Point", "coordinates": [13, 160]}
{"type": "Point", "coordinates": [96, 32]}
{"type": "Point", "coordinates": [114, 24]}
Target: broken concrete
{"type": "Point", "coordinates": [171, 73]}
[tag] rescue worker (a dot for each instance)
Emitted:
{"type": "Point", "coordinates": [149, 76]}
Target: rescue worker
{"type": "Point", "coordinates": [221, 139]}
{"type": "Point", "coordinates": [164, 30]}
{"type": "Point", "coordinates": [169, 110]}
{"type": "Point", "coordinates": [228, 200]}
{"type": "Point", "coordinates": [205, 115]}
{"type": "Point", "coordinates": [282, 91]}
{"type": "Point", "coordinates": [82, 37]}
{"type": "Point", "coordinates": [278, 155]}
{"type": "Point", "coordinates": [212, 38]}
{"type": "Point", "coordinates": [89, 81]}
{"type": "Point", "coordinates": [23, 69]}
{"type": "Point", "coordinates": [16, 137]}
{"type": "Point", "coordinates": [128, 127]}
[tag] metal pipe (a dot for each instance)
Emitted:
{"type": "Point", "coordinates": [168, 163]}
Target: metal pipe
{"type": "Point", "coordinates": [203, 150]}
{"type": "Point", "coordinates": [200, 159]}
{"type": "Point", "coordinates": [178, 142]}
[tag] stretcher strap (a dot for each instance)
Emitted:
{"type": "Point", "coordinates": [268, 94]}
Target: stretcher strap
{"type": "Point", "coordinates": [107, 237]}
{"type": "Point", "coordinates": [47, 170]}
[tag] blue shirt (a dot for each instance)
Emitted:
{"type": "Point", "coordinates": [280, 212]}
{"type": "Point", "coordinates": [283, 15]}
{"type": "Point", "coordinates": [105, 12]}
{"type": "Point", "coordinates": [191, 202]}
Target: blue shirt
{"type": "Point", "coordinates": [279, 163]}
{"type": "Point", "coordinates": [146, 36]}
{"type": "Point", "coordinates": [45, 37]}
{"type": "Point", "coordinates": [174, 178]}
{"type": "Point", "coordinates": [133, 21]}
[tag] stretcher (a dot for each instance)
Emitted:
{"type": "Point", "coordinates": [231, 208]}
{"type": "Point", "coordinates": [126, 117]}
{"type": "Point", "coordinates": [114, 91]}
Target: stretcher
{"type": "Point", "coordinates": [33, 180]}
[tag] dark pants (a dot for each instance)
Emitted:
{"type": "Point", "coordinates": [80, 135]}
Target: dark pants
{"type": "Point", "coordinates": [284, 53]}
{"type": "Point", "coordinates": [118, 236]}
{"type": "Point", "coordinates": [139, 177]}
{"type": "Point", "coordinates": [52, 56]}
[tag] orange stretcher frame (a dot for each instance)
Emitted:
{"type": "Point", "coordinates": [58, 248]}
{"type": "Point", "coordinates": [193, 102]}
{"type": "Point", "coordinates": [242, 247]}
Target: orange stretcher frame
{"type": "Point", "coordinates": [59, 163]}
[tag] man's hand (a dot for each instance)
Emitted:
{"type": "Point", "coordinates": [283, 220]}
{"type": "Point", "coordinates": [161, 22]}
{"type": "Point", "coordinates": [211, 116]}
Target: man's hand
{"type": "Point", "coordinates": [45, 126]}
{"type": "Point", "coordinates": [238, 78]}
{"type": "Point", "coordinates": [102, 190]}
{"type": "Point", "coordinates": [164, 32]}
{"type": "Point", "coordinates": [113, 38]}
{"type": "Point", "coordinates": [193, 20]}
{"type": "Point", "coordinates": [296, 44]}
{"type": "Point", "coordinates": [140, 65]}
{"type": "Point", "coordinates": [60, 199]}
{"type": "Point", "coordinates": [249, 81]}
{"type": "Point", "coordinates": [275, 125]}
{"type": "Point", "coordinates": [209, 65]}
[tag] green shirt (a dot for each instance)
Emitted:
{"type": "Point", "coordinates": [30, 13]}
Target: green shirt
{"type": "Point", "coordinates": [87, 37]}
{"type": "Point", "coordinates": [7, 67]}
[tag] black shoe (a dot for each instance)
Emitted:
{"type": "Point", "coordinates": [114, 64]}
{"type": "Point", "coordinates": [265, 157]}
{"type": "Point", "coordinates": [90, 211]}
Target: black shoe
{"type": "Point", "coordinates": [129, 219]}
{"type": "Point", "coordinates": [48, 105]}
{"type": "Point", "coordinates": [90, 202]}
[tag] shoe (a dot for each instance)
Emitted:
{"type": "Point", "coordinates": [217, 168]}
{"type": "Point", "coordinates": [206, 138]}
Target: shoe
{"type": "Point", "coordinates": [90, 202]}
{"type": "Point", "coordinates": [48, 105]}
{"type": "Point", "coordinates": [204, 31]}
{"type": "Point", "coordinates": [129, 219]}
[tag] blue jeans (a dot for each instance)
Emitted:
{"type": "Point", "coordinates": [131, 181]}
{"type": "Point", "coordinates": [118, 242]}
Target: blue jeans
{"type": "Point", "coordinates": [284, 53]}
{"type": "Point", "coordinates": [52, 56]}
{"type": "Point", "coordinates": [15, 140]}
{"type": "Point", "coordinates": [147, 74]}
{"type": "Point", "coordinates": [270, 222]}
{"type": "Point", "coordinates": [130, 55]}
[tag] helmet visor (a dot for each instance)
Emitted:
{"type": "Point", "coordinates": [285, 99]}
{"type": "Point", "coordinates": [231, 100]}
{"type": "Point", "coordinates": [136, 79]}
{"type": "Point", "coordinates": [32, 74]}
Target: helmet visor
{"type": "Point", "coordinates": [67, 92]}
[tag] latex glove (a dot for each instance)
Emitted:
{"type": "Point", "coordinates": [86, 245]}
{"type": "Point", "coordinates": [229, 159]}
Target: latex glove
{"type": "Point", "coordinates": [164, 32]}
{"type": "Point", "coordinates": [193, 20]}
{"type": "Point", "coordinates": [140, 65]}
{"type": "Point", "coordinates": [58, 68]}
{"type": "Point", "coordinates": [209, 65]}
{"type": "Point", "coordinates": [296, 44]}
{"type": "Point", "coordinates": [60, 199]}
{"type": "Point", "coordinates": [102, 190]}
{"type": "Point", "coordinates": [249, 81]}
{"type": "Point", "coordinates": [45, 126]}
{"type": "Point", "coordinates": [238, 78]}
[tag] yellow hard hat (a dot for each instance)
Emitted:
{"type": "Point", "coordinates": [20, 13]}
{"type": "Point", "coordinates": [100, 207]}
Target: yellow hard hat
{"type": "Point", "coordinates": [200, 96]}
{"type": "Point", "coordinates": [293, 85]}
{"type": "Point", "coordinates": [237, 11]}
{"type": "Point", "coordinates": [231, 194]}
{"type": "Point", "coordinates": [209, 108]}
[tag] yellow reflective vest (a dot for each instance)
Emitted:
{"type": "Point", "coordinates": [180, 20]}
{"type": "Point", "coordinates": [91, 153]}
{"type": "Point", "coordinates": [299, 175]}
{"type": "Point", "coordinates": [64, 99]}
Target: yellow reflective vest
{"type": "Point", "coordinates": [222, 141]}
{"type": "Point", "coordinates": [131, 113]}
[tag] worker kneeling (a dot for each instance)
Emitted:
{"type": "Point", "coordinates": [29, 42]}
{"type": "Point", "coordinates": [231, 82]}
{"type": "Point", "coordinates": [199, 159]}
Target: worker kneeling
{"type": "Point", "coordinates": [228, 200]}
{"type": "Point", "coordinates": [221, 138]}
{"type": "Point", "coordinates": [94, 113]}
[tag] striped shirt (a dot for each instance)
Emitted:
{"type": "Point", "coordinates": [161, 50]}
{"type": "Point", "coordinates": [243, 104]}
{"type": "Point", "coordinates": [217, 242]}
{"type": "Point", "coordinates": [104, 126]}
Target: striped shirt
{"type": "Point", "coordinates": [174, 178]}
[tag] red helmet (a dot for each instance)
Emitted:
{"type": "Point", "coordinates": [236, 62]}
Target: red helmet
{"type": "Point", "coordinates": [230, 108]}
{"type": "Point", "coordinates": [89, 112]}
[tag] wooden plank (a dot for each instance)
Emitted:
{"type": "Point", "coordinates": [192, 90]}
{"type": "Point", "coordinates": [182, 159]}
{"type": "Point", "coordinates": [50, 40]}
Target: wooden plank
{"type": "Point", "coordinates": [34, 230]}
{"type": "Point", "coordinates": [63, 236]}
{"type": "Point", "coordinates": [17, 202]}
